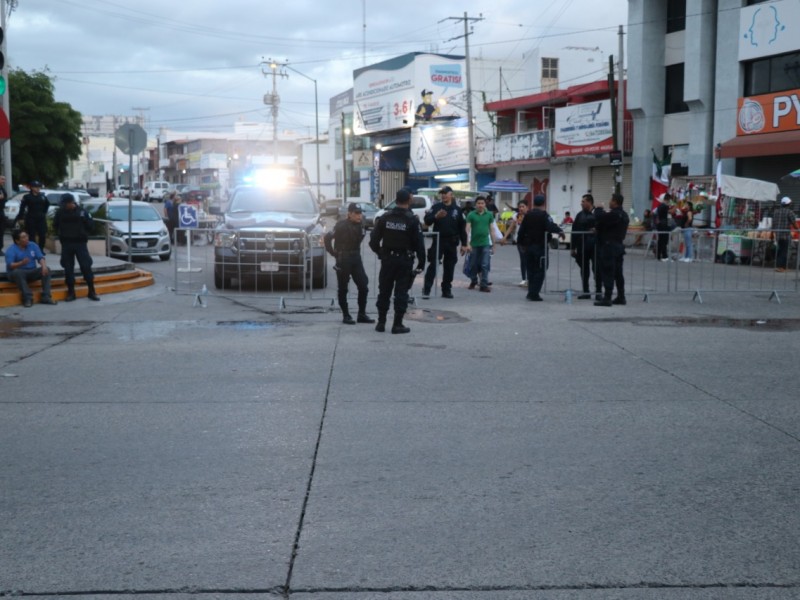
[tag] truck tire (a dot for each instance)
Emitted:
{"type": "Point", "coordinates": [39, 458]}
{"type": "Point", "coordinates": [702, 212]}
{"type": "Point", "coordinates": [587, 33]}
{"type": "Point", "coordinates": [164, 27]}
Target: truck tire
{"type": "Point", "coordinates": [221, 282]}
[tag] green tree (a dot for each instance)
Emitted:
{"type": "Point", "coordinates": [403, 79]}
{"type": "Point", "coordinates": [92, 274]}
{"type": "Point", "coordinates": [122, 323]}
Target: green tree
{"type": "Point", "coordinates": [45, 134]}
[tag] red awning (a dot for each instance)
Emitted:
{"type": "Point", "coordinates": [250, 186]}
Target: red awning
{"type": "Point", "coordinates": [767, 144]}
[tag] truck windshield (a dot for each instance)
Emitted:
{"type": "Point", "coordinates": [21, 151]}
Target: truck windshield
{"type": "Point", "coordinates": [268, 200]}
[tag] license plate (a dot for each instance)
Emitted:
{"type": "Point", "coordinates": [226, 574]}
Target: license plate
{"type": "Point", "coordinates": [270, 267]}
{"type": "Point", "coordinates": [141, 244]}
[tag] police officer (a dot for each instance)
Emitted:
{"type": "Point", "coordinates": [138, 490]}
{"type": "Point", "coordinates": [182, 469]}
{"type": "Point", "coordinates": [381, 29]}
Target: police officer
{"type": "Point", "coordinates": [533, 235]}
{"type": "Point", "coordinates": [3, 198]}
{"type": "Point", "coordinates": [448, 221]}
{"type": "Point", "coordinates": [33, 211]}
{"type": "Point", "coordinates": [583, 246]}
{"type": "Point", "coordinates": [396, 238]}
{"type": "Point", "coordinates": [73, 225]}
{"type": "Point", "coordinates": [344, 244]}
{"type": "Point", "coordinates": [612, 226]}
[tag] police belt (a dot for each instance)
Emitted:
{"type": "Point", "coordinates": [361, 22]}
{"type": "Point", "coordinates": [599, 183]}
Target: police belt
{"type": "Point", "coordinates": [400, 253]}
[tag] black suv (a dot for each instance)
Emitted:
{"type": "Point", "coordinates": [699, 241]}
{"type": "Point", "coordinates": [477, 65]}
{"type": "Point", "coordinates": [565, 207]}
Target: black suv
{"type": "Point", "coordinates": [270, 231]}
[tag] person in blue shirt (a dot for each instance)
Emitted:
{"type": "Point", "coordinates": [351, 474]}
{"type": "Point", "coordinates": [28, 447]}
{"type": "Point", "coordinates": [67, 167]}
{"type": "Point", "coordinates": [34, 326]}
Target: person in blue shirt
{"type": "Point", "coordinates": [24, 263]}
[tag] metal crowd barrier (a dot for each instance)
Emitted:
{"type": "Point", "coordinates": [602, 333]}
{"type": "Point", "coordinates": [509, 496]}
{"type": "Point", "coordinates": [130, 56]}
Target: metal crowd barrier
{"type": "Point", "coordinates": [256, 274]}
{"type": "Point", "coordinates": [722, 260]}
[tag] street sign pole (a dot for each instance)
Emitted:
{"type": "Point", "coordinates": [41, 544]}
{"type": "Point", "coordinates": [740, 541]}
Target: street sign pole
{"type": "Point", "coordinates": [130, 197]}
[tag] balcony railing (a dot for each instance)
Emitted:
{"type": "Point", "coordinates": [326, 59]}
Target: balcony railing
{"type": "Point", "coordinates": [531, 145]}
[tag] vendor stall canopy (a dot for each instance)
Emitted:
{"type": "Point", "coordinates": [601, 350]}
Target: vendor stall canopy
{"type": "Point", "coordinates": [751, 189]}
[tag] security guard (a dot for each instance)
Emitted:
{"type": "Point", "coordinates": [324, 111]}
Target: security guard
{"type": "Point", "coordinates": [447, 220]}
{"type": "Point", "coordinates": [73, 225]}
{"type": "Point", "coordinates": [344, 244]}
{"type": "Point", "coordinates": [584, 249]}
{"type": "Point", "coordinates": [396, 238]}
{"type": "Point", "coordinates": [611, 228]}
{"type": "Point", "coordinates": [33, 211]}
{"type": "Point", "coordinates": [533, 234]}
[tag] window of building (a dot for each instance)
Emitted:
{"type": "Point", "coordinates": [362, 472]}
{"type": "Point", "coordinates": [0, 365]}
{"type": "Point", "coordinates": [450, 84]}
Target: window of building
{"type": "Point", "coordinates": [676, 15]}
{"type": "Point", "coordinates": [674, 90]}
{"type": "Point", "coordinates": [772, 74]}
{"type": "Point", "coordinates": [751, 2]}
{"type": "Point", "coordinates": [549, 68]}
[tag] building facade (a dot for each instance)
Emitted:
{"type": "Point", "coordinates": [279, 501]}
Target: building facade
{"type": "Point", "coordinates": [715, 80]}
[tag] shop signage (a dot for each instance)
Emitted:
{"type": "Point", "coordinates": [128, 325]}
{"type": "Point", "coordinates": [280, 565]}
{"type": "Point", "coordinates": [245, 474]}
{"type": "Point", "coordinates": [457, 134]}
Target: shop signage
{"type": "Point", "coordinates": [437, 148]}
{"type": "Point", "coordinates": [584, 129]}
{"type": "Point", "coordinates": [769, 113]}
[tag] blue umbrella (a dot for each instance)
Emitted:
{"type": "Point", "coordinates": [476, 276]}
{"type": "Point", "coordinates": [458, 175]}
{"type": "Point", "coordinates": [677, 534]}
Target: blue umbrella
{"type": "Point", "coordinates": [795, 174]}
{"type": "Point", "coordinates": [505, 185]}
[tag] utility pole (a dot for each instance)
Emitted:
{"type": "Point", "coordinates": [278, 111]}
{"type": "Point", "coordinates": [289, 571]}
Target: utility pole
{"type": "Point", "coordinates": [614, 128]}
{"type": "Point", "coordinates": [273, 100]}
{"type": "Point", "coordinates": [470, 125]}
{"type": "Point", "coordinates": [621, 107]}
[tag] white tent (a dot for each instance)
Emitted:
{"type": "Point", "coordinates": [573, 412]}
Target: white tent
{"type": "Point", "coordinates": [749, 189]}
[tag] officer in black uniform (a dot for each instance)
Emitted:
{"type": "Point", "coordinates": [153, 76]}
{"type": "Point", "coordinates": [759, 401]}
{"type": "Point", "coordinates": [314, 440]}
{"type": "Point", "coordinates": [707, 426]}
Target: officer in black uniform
{"type": "Point", "coordinates": [612, 226]}
{"type": "Point", "coordinates": [533, 234]}
{"type": "Point", "coordinates": [33, 212]}
{"type": "Point", "coordinates": [344, 244]}
{"type": "Point", "coordinates": [448, 221]}
{"type": "Point", "coordinates": [3, 198]}
{"type": "Point", "coordinates": [73, 225]}
{"type": "Point", "coordinates": [396, 239]}
{"type": "Point", "coordinates": [584, 248]}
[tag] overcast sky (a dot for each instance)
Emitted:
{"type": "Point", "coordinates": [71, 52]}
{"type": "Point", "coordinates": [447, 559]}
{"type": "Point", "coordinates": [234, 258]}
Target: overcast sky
{"type": "Point", "coordinates": [194, 65]}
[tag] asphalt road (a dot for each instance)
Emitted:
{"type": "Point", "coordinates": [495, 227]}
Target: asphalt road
{"type": "Point", "coordinates": [155, 448]}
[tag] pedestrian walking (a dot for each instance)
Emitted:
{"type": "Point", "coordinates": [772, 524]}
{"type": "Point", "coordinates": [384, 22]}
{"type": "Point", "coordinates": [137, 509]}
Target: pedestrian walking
{"type": "Point", "coordinates": [612, 226]}
{"type": "Point", "coordinates": [344, 244]}
{"type": "Point", "coordinates": [73, 224]}
{"type": "Point", "coordinates": [783, 221]}
{"type": "Point", "coordinates": [533, 234]}
{"type": "Point", "coordinates": [447, 220]}
{"type": "Point", "coordinates": [512, 234]}
{"type": "Point", "coordinates": [479, 232]}
{"type": "Point", "coordinates": [396, 239]}
{"type": "Point", "coordinates": [33, 214]}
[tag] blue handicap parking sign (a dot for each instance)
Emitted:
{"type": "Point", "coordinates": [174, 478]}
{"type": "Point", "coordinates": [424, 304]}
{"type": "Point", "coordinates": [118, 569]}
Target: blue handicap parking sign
{"type": "Point", "coordinates": [187, 215]}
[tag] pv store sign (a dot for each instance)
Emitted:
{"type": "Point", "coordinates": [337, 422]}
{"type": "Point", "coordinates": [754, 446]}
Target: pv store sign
{"type": "Point", "coordinates": [769, 113]}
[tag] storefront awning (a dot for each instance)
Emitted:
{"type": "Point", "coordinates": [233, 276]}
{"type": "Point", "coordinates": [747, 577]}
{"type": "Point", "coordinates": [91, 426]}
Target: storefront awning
{"type": "Point", "coordinates": [767, 144]}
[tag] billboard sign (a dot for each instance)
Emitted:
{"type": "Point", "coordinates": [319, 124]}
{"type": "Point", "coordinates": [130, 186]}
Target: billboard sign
{"type": "Point", "coordinates": [440, 147]}
{"type": "Point", "coordinates": [398, 93]}
{"type": "Point", "coordinates": [768, 28]}
{"type": "Point", "coordinates": [584, 129]}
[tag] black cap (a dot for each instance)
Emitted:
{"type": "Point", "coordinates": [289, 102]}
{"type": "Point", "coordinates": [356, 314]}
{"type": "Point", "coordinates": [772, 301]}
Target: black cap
{"type": "Point", "coordinates": [445, 189]}
{"type": "Point", "coordinates": [67, 198]}
{"type": "Point", "coordinates": [354, 208]}
{"type": "Point", "coordinates": [425, 93]}
{"type": "Point", "coordinates": [403, 196]}
{"type": "Point", "coordinates": [35, 183]}
{"type": "Point", "coordinates": [538, 200]}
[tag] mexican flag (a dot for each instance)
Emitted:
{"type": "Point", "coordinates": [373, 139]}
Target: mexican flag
{"type": "Point", "coordinates": [659, 181]}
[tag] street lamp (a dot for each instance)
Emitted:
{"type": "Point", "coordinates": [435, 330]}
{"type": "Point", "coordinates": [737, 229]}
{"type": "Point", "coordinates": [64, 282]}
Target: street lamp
{"type": "Point", "coordinates": [316, 120]}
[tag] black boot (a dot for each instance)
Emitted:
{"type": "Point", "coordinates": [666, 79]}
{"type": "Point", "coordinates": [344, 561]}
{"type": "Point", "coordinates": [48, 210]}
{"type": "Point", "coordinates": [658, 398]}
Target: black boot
{"type": "Point", "coordinates": [606, 301]}
{"type": "Point", "coordinates": [70, 292]}
{"type": "Point", "coordinates": [92, 293]}
{"type": "Point", "coordinates": [397, 326]}
{"type": "Point", "coordinates": [381, 326]}
{"type": "Point", "coordinates": [620, 299]}
{"type": "Point", "coordinates": [364, 318]}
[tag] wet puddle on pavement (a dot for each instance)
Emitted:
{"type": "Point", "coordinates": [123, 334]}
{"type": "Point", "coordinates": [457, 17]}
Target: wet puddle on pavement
{"type": "Point", "coordinates": [125, 332]}
{"type": "Point", "coordinates": [771, 325]}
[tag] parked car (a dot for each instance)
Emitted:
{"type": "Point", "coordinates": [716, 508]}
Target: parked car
{"type": "Point", "coordinates": [270, 231]}
{"type": "Point", "coordinates": [367, 208]}
{"type": "Point", "coordinates": [53, 196]}
{"type": "Point", "coordinates": [157, 189]}
{"type": "Point", "coordinates": [149, 235]}
{"type": "Point", "coordinates": [419, 206]}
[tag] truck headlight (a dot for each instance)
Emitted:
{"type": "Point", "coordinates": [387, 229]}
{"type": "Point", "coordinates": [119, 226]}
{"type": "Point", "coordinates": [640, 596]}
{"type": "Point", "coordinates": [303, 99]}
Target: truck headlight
{"type": "Point", "coordinates": [116, 231]}
{"type": "Point", "coordinates": [225, 239]}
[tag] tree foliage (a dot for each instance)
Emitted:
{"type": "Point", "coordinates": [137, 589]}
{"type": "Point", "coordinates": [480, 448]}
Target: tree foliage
{"type": "Point", "coordinates": [45, 134]}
